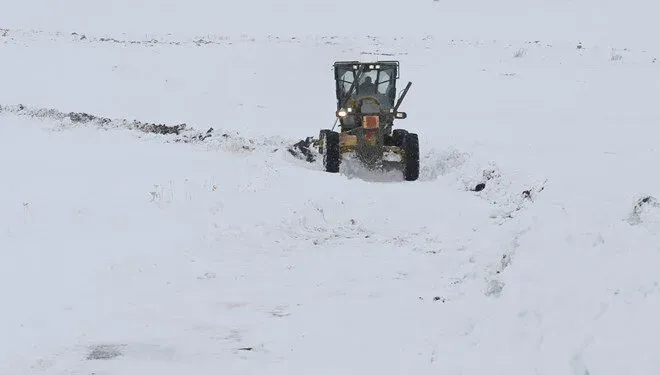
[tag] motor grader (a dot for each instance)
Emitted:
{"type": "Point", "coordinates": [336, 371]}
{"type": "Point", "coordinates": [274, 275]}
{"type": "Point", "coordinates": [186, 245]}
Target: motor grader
{"type": "Point", "coordinates": [366, 109]}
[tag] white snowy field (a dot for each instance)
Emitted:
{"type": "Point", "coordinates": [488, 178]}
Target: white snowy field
{"type": "Point", "coordinates": [124, 252]}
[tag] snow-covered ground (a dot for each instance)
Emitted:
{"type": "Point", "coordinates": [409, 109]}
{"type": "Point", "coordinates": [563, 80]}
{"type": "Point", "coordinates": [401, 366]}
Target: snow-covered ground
{"type": "Point", "coordinates": [128, 252]}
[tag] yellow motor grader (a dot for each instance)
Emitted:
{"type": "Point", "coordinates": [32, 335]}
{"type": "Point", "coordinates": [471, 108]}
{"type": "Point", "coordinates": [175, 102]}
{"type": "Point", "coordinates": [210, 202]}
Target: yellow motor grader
{"type": "Point", "coordinates": [366, 110]}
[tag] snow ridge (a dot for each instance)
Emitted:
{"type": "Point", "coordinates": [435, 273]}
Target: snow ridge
{"type": "Point", "coordinates": [178, 133]}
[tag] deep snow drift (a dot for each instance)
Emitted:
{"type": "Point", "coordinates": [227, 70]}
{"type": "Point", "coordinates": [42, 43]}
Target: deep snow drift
{"type": "Point", "coordinates": [212, 249]}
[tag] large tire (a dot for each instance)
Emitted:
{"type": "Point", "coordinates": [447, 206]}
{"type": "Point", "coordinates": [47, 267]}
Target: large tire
{"type": "Point", "coordinates": [398, 135]}
{"type": "Point", "coordinates": [322, 135]}
{"type": "Point", "coordinates": [331, 152]}
{"type": "Point", "coordinates": [411, 157]}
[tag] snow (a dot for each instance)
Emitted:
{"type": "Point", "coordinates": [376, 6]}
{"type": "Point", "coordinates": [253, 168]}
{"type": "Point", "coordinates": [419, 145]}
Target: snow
{"type": "Point", "coordinates": [128, 252]}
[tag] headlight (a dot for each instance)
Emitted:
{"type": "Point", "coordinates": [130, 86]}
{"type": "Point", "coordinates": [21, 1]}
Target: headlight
{"type": "Point", "coordinates": [401, 115]}
{"type": "Point", "coordinates": [342, 113]}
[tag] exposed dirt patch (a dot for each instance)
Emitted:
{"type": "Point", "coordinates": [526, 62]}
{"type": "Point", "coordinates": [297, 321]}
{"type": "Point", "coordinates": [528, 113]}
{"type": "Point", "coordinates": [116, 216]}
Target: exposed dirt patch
{"type": "Point", "coordinates": [104, 352]}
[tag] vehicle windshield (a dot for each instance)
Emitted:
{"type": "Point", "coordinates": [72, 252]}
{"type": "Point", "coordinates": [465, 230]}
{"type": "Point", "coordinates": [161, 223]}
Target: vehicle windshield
{"type": "Point", "coordinates": [379, 83]}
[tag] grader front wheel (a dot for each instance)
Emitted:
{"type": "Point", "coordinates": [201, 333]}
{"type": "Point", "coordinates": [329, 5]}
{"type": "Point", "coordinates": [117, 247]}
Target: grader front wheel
{"type": "Point", "coordinates": [329, 147]}
{"type": "Point", "coordinates": [411, 157]}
